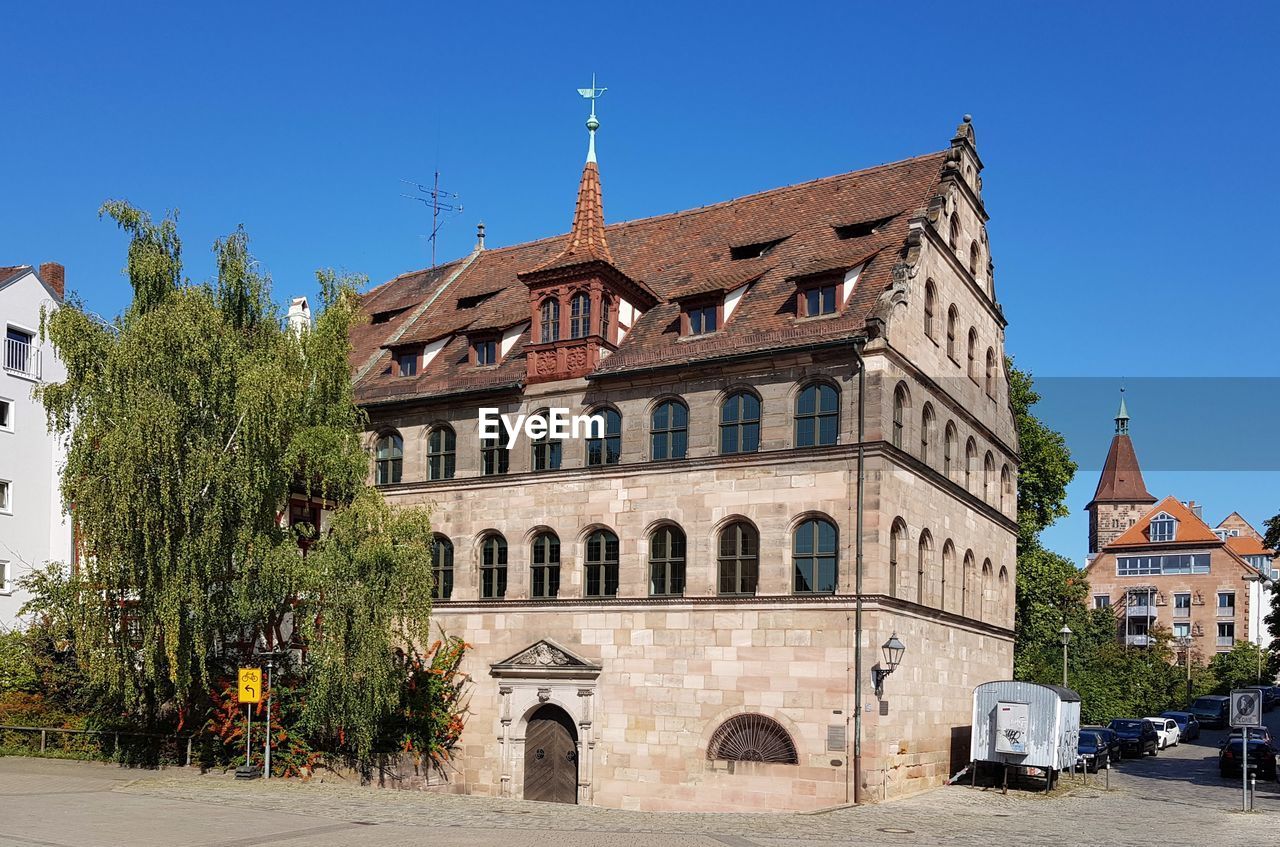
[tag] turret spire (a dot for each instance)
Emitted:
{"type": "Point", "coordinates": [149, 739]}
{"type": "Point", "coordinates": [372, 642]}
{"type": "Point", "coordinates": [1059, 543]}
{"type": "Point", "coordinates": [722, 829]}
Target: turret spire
{"type": "Point", "coordinates": [1122, 417]}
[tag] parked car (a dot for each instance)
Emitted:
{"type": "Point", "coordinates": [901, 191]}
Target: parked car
{"type": "Point", "coordinates": [1262, 758]}
{"type": "Point", "coordinates": [1137, 736]}
{"type": "Point", "coordinates": [1188, 726]}
{"type": "Point", "coordinates": [1115, 751]}
{"type": "Point", "coordinates": [1211, 710]}
{"type": "Point", "coordinates": [1268, 699]}
{"type": "Point", "coordinates": [1170, 735]}
{"type": "Point", "coordinates": [1260, 732]}
{"type": "Point", "coordinates": [1093, 750]}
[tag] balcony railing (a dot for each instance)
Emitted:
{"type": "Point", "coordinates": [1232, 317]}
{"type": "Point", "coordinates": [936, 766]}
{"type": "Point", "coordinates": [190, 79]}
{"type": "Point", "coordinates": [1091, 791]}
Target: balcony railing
{"type": "Point", "coordinates": [1141, 610]}
{"type": "Point", "coordinates": [1226, 611]}
{"type": "Point", "coordinates": [1226, 640]}
{"type": "Point", "coordinates": [21, 358]}
{"type": "Point", "coordinates": [1137, 640]}
{"type": "Point", "coordinates": [1181, 612]}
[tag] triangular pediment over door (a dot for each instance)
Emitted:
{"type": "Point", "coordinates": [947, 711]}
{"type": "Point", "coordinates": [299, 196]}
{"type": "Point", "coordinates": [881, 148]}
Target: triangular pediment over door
{"type": "Point", "coordinates": [545, 659]}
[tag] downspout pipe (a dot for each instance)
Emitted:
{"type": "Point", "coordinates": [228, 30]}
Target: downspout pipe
{"type": "Point", "coordinates": [858, 344]}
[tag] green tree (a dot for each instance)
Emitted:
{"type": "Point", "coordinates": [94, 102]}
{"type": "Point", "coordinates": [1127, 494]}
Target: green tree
{"type": "Point", "coordinates": [1046, 467]}
{"type": "Point", "coordinates": [1245, 666]}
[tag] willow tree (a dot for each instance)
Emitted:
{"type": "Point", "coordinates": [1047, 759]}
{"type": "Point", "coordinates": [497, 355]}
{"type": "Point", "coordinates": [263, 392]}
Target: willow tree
{"type": "Point", "coordinates": [191, 418]}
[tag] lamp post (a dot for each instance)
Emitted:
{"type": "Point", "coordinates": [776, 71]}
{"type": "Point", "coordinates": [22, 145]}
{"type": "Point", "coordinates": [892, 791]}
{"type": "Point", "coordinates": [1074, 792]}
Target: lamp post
{"type": "Point", "coordinates": [892, 650]}
{"type": "Point", "coordinates": [1064, 635]}
{"type": "Point", "coordinates": [1262, 582]}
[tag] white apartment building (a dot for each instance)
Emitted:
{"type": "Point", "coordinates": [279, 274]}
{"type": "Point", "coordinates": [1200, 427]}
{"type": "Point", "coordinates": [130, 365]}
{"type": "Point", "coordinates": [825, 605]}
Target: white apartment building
{"type": "Point", "coordinates": [33, 526]}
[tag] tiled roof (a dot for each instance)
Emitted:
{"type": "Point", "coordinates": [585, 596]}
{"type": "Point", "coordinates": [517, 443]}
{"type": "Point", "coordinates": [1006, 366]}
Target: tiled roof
{"type": "Point", "coordinates": [9, 272]}
{"type": "Point", "coordinates": [1191, 529]}
{"type": "Point", "coordinates": [669, 255]}
{"type": "Point", "coordinates": [1121, 480]}
{"type": "Point", "coordinates": [1247, 545]}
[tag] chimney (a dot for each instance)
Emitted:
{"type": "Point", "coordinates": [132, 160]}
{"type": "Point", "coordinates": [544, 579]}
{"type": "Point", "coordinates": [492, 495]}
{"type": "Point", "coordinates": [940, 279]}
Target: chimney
{"type": "Point", "coordinates": [299, 317]}
{"type": "Point", "coordinates": [54, 276]}
{"type": "Point", "coordinates": [1196, 509]}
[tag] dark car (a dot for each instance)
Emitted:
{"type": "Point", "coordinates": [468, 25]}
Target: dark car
{"type": "Point", "coordinates": [1093, 751]}
{"type": "Point", "coordinates": [1268, 699]}
{"type": "Point", "coordinates": [1262, 758]}
{"type": "Point", "coordinates": [1211, 710]}
{"type": "Point", "coordinates": [1137, 736]}
{"type": "Point", "coordinates": [1188, 725]}
{"type": "Point", "coordinates": [1114, 749]}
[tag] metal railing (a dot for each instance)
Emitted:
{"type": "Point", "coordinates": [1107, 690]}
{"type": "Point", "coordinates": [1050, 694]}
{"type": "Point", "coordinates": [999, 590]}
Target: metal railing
{"type": "Point", "coordinates": [96, 744]}
{"type": "Point", "coordinates": [1137, 640]}
{"type": "Point", "coordinates": [21, 358]}
{"type": "Point", "coordinates": [1226, 611]}
{"type": "Point", "coordinates": [1226, 640]}
{"type": "Point", "coordinates": [1181, 611]}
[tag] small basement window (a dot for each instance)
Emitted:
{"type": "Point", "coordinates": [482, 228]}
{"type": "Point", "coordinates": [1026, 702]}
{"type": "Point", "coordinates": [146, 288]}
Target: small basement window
{"type": "Point", "coordinates": [756, 250]}
{"type": "Point", "coordinates": [863, 228]}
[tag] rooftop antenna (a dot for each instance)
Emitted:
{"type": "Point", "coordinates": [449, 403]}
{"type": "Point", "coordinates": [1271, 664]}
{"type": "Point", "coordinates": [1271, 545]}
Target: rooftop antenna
{"type": "Point", "coordinates": [443, 203]}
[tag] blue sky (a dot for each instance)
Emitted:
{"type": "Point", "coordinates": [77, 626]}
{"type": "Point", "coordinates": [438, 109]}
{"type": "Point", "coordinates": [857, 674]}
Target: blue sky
{"type": "Point", "coordinates": [1129, 152]}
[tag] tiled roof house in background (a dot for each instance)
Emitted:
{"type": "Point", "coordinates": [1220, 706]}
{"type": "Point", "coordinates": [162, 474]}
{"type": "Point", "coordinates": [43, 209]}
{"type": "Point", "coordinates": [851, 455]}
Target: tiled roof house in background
{"type": "Point", "coordinates": [664, 616]}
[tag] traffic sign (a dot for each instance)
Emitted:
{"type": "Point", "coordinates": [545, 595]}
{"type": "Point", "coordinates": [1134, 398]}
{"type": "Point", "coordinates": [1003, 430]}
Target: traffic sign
{"type": "Point", "coordinates": [1246, 707]}
{"type": "Point", "coordinates": [250, 685]}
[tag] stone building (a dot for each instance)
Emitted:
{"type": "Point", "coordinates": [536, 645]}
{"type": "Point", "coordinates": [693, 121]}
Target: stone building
{"type": "Point", "coordinates": [666, 615]}
{"type": "Point", "coordinates": [1159, 565]}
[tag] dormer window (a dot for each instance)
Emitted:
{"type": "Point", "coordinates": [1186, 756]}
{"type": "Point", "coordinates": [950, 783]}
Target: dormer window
{"type": "Point", "coordinates": [580, 316]}
{"type": "Point", "coordinates": [407, 362]}
{"type": "Point", "coordinates": [1163, 527]}
{"type": "Point", "coordinates": [820, 299]}
{"type": "Point", "coordinates": [485, 352]}
{"type": "Point", "coordinates": [702, 320]}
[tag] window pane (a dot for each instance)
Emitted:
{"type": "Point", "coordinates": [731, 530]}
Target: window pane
{"type": "Point", "coordinates": [828, 432]}
{"type": "Point", "coordinates": [804, 432]}
{"type": "Point", "coordinates": [750, 437]}
{"type": "Point", "coordinates": [807, 404]}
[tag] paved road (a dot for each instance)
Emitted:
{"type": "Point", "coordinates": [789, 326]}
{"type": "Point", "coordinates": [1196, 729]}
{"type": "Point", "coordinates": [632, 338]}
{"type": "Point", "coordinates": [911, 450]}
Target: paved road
{"type": "Point", "coordinates": [1175, 797]}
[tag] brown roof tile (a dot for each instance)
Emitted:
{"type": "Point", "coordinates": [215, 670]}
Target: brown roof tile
{"type": "Point", "coordinates": [1121, 480]}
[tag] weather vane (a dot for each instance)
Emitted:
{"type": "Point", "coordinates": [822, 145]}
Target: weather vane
{"type": "Point", "coordinates": [592, 94]}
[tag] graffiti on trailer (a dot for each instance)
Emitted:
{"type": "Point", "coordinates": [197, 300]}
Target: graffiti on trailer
{"type": "Point", "coordinates": [1014, 736]}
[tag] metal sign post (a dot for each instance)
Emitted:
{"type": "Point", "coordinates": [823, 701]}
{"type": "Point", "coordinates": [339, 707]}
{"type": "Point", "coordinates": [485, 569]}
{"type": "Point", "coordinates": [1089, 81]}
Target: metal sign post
{"type": "Point", "coordinates": [1246, 712]}
{"type": "Point", "coordinates": [250, 693]}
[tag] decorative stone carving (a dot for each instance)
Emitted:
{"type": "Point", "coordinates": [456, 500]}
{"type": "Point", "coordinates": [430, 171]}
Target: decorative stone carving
{"type": "Point", "coordinates": [544, 694]}
{"type": "Point", "coordinates": [541, 655]}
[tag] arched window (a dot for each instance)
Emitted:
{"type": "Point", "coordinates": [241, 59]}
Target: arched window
{"type": "Point", "coordinates": [973, 354]}
{"type": "Point", "coordinates": [493, 567]}
{"type": "Point", "coordinates": [666, 562]}
{"type": "Point", "coordinates": [899, 415]}
{"type": "Point", "coordinates": [930, 302]}
{"type": "Point", "coordinates": [669, 431]}
{"type": "Point", "coordinates": [970, 464]}
{"type": "Point", "coordinates": [441, 453]}
{"type": "Point", "coordinates": [973, 258]}
{"type": "Point", "coordinates": [550, 320]}
{"type": "Point", "coordinates": [495, 458]}
{"type": "Point", "coordinates": [950, 444]}
{"type": "Point", "coordinates": [817, 415]}
{"type": "Point", "coordinates": [547, 451]}
{"type": "Point", "coordinates": [814, 557]}
{"type": "Point", "coordinates": [953, 237]}
{"type": "Point", "coordinates": [580, 316]}
{"type": "Point", "coordinates": [441, 568]}
{"type": "Point", "coordinates": [752, 738]}
{"type": "Point", "coordinates": [897, 553]}
{"type": "Point", "coordinates": [988, 589]}
{"type": "Point", "coordinates": [388, 458]}
{"type": "Point", "coordinates": [602, 564]}
{"type": "Point", "coordinates": [991, 372]}
{"type": "Point", "coordinates": [926, 431]}
{"type": "Point", "coordinates": [948, 571]}
{"type": "Point", "coordinates": [924, 564]}
{"type": "Point", "coordinates": [1006, 487]}
{"type": "Point", "coordinates": [988, 476]}
{"type": "Point", "coordinates": [740, 423]}
{"type": "Point", "coordinates": [966, 583]}
{"type": "Point", "coordinates": [606, 449]}
{"type": "Point", "coordinates": [544, 565]}
{"type": "Point", "coordinates": [604, 316]}
{"type": "Point", "coordinates": [1002, 597]}
{"type": "Point", "coordinates": [953, 317]}
{"type": "Point", "coordinates": [739, 558]}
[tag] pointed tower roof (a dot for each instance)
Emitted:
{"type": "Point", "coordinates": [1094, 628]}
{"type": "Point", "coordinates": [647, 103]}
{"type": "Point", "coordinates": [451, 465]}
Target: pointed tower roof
{"type": "Point", "coordinates": [1121, 480]}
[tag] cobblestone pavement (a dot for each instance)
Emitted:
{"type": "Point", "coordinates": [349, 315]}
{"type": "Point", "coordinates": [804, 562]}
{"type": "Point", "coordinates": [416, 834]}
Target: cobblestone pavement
{"type": "Point", "coordinates": [1175, 797]}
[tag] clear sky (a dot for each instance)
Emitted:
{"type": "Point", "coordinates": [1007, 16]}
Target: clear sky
{"type": "Point", "coordinates": [1130, 152]}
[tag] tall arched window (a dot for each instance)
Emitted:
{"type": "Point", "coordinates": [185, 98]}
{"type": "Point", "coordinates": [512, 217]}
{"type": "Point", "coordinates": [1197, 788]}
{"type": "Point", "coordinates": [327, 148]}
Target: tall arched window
{"type": "Point", "coordinates": [602, 564]}
{"type": "Point", "coordinates": [973, 258]}
{"type": "Point", "coordinates": [897, 553]}
{"type": "Point", "coordinates": [817, 415]}
{"type": "Point", "coordinates": [973, 354]}
{"type": "Point", "coordinates": [495, 458]}
{"type": "Point", "coordinates": [740, 423]}
{"type": "Point", "coordinates": [669, 431]}
{"type": "Point", "coordinates": [970, 464]}
{"type": "Point", "coordinates": [580, 316]}
{"type": "Point", "coordinates": [547, 451]}
{"type": "Point", "coordinates": [953, 236]}
{"type": "Point", "coordinates": [550, 320]}
{"type": "Point", "coordinates": [988, 589]}
{"type": "Point", "coordinates": [966, 585]}
{"type": "Point", "coordinates": [1002, 596]}
{"type": "Point", "coordinates": [953, 317]}
{"type": "Point", "coordinates": [739, 558]}
{"type": "Point", "coordinates": [544, 565]}
{"type": "Point", "coordinates": [930, 303]}
{"type": "Point", "coordinates": [948, 571]}
{"type": "Point", "coordinates": [991, 372]}
{"type": "Point", "coordinates": [924, 564]}
{"type": "Point", "coordinates": [441, 453]}
{"type": "Point", "coordinates": [950, 444]}
{"type": "Point", "coordinates": [988, 476]}
{"type": "Point", "coordinates": [899, 415]}
{"type": "Point", "coordinates": [493, 567]}
{"type": "Point", "coordinates": [441, 568]}
{"type": "Point", "coordinates": [814, 557]}
{"type": "Point", "coordinates": [604, 316]}
{"type": "Point", "coordinates": [666, 562]}
{"type": "Point", "coordinates": [388, 458]}
{"type": "Point", "coordinates": [926, 431]}
{"type": "Point", "coordinates": [607, 448]}
{"type": "Point", "coordinates": [1006, 487]}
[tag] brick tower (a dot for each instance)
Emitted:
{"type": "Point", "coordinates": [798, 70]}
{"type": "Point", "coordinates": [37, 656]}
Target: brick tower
{"type": "Point", "coordinates": [1122, 497]}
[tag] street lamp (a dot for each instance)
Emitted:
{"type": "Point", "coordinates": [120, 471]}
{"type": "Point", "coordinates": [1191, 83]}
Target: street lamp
{"type": "Point", "coordinates": [1262, 581]}
{"type": "Point", "coordinates": [1064, 635]}
{"type": "Point", "coordinates": [892, 650]}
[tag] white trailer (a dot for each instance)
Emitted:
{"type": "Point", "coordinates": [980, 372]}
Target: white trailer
{"type": "Point", "coordinates": [1025, 725]}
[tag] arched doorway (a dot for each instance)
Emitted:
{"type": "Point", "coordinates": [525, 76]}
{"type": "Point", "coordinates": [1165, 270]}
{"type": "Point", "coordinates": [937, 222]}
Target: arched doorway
{"type": "Point", "coordinates": [551, 756]}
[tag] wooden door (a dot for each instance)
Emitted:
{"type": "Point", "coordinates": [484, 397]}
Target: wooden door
{"type": "Point", "coordinates": [550, 757]}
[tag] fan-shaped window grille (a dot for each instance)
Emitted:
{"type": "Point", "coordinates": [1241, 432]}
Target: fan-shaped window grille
{"type": "Point", "coordinates": [752, 738]}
